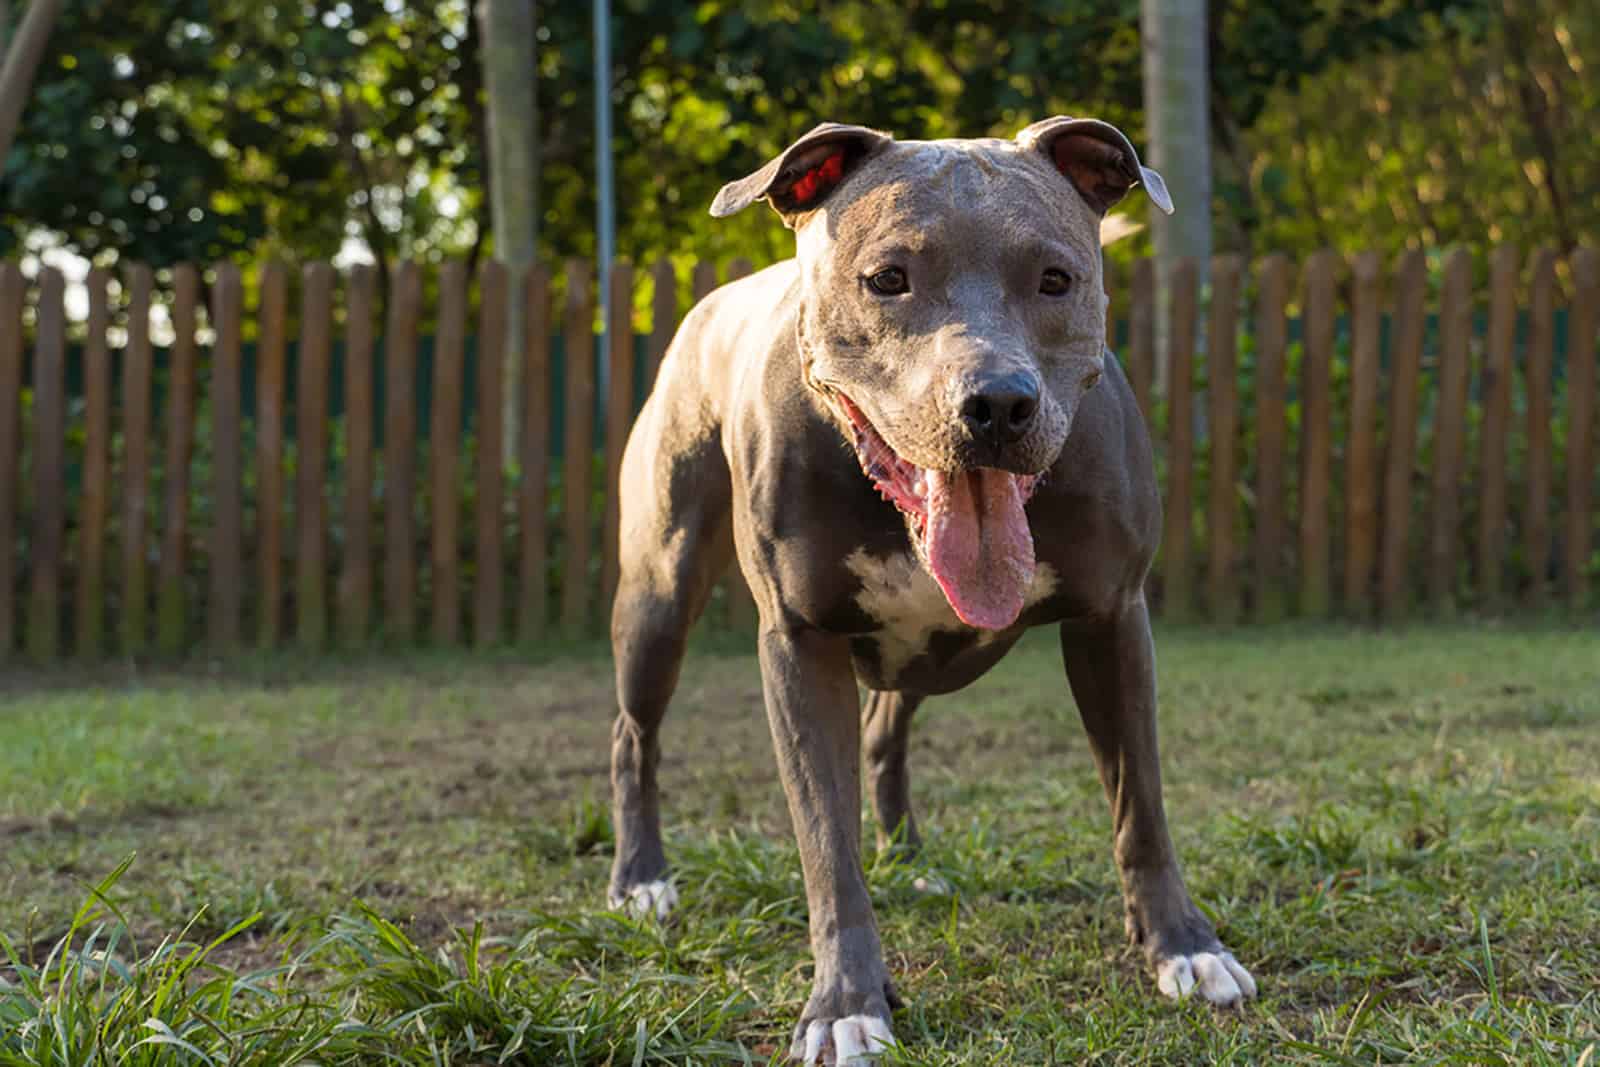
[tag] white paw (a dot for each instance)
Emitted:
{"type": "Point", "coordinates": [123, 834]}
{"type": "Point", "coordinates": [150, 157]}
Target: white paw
{"type": "Point", "coordinates": [1217, 975]}
{"type": "Point", "coordinates": [855, 1041]}
{"type": "Point", "coordinates": [934, 885]}
{"type": "Point", "coordinates": [656, 898]}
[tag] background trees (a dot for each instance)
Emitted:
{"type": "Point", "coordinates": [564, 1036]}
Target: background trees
{"type": "Point", "coordinates": [194, 129]}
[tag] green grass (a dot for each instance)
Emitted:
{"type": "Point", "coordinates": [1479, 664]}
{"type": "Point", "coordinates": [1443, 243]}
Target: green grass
{"type": "Point", "coordinates": [402, 861]}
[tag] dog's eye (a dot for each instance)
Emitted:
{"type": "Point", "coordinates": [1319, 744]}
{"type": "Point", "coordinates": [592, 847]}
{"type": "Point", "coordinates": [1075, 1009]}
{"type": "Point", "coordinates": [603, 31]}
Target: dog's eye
{"type": "Point", "coordinates": [891, 281]}
{"type": "Point", "coordinates": [1055, 283]}
{"type": "Point", "coordinates": [1091, 380]}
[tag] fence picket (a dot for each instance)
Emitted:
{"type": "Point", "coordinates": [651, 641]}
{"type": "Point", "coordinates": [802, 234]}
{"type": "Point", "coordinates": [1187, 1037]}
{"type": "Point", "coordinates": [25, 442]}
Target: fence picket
{"type": "Point", "coordinates": [1361, 450]}
{"type": "Point", "coordinates": [271, 370]}
{"type": "Point", "coordinates": [579, 447]}
{"type": "Point", "coordinates": [46, 550]}
{"type": "Point", "coordinates": [488, 603]}
{"type": "Point", "coordinates": [1450, 429]}
{"type": "Point", "coordinates": [664, 319]}
{"type": "Point", "coordinates": [1581, 339]}
{"type": "Point", "coordinates": [1316, 418]}
{"type": "Point", "coordinates": [10, 446]}
{"type": "Point", "coordinates": [355, 575]}
{"type": "Point", "coordinates": [1496, 389]}
{"type": "Point", "coordinates": [534, 492]}
{"type": "Point", "coordinates": [171, 630]}
{"type": "Point", "coordinates": [400, 454]}
{"type": "Point", "coordinates": [226, 596]}
{"type": "Point", "coordinates": [444, 452]}
{"type": "Point", "coordinates": [311, 433]}
{"type": "Point", "coordinates": [1541, 334]}
{"type": "Point", "coordinates": [1272, 333]}
{"type": "Point", "coordinates": [1411, 282]}
{"type": "Point", "coordinates": [136, 373]}
{"type": "Point", "coordinates": [1177, 581]}
{"type": "Point", "coordinates": [619, 419]}
{"type": "Point", "coordinates": [96, 504]}
{"type": "Point", "coordinates": [1222, 343]}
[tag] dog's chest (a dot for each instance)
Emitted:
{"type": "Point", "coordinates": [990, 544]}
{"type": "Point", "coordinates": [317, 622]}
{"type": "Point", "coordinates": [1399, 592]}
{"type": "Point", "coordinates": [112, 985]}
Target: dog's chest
{"type": "Point", "coordinates": [920, 643]}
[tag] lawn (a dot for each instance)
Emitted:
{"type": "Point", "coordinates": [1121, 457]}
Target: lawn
{"type": "Point", "coordinates": [403, 860]}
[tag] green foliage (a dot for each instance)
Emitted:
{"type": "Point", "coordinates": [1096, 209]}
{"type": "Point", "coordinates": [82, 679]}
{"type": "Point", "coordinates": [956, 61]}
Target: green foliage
{"type": "Point", "coordinates": [210, 128]}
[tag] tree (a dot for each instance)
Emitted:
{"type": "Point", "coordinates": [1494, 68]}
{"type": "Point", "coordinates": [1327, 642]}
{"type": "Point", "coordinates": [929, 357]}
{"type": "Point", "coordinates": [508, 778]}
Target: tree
{"type": "Point", "coordinates": [510, 79]}
{"type": "Point", "coordinates": [21, 61]}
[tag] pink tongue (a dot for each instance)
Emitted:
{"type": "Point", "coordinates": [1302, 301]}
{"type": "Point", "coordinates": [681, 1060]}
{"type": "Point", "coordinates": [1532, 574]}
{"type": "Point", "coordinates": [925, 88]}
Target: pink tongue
{"type": "Point", "coordinates": [980, 549]}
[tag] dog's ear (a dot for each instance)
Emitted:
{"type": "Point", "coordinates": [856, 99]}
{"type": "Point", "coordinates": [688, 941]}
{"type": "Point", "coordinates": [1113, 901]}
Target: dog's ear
{"type": "Point", "coordinates": [1097, 158]}
{"type": "Point", "coordinates": [806, 173]}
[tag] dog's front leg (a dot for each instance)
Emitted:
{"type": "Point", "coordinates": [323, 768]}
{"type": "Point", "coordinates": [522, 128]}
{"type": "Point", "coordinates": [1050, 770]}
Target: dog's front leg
{"type": "Point", "coordinates": [813, 710]}
{"type": "Point", "coordinates": [1112, 672]}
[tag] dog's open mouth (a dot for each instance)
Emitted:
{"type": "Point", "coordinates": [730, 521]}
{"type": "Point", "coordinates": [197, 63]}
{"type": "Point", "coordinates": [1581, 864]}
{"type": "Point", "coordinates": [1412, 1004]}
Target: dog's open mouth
{"type": "Point", "coordinates": [970, 526]}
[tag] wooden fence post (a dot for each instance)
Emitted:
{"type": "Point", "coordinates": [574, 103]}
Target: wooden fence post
{"type": "Point", "coordinates": [1272, 484]}
{"type": "Point", "coordinates": [1496, 390]}
{"type": "Point", "coordinates": [1411, 283]}
{"type": "Point", "coordinates": [1580, 424]}
{"type": "Point", "coordinates": [46, 552]}
{"type": "Point", "coordinates": [400, 454]}
{"type": "Point", "coordinates": [1361, 451]}
{"type": "Point", "coordinates": [272, 315]}
{"type": "Point", "coordinates": [355, 576]}
{"type": "Point", "coordinates": [488, 603]}
{"type": "Point", "coordinates": [170, 622]}
{"type": "Point", "coordinates": [575, 487]}
{"type": "Point", "coordinates": [533, 493]}
{"type": "Point", "coordinates": [1541, 335]}
{"type": "Point", "coordinates": [135, 461]}
{"type": "Point", "coordinates": [1177, 581]}
{"type": "Point", "coordinates": [1450, 429]}
{"type": "Point", "coordinates": [664, 313]}
{"type": "Point", "coordinates": [226, 596]}
{"type": "Point", "coordinates": [444, 444]}
{"type": "Point", "coordinates": [11, 287]}
{"type": "Point", "coordinates": [96, 469]}
{"type": "Point", "coordinates": [1316, 410]}
{"type": "Point", "coordinates": [619, 419]}
{"type": "Point", "coordinates": [1222, 344]}
{"type": "Point", "coordinates": [311, 432]}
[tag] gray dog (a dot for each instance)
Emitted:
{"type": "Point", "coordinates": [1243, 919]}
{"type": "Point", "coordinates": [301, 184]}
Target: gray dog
{"type": "Point", "coordinates": [913, 440]}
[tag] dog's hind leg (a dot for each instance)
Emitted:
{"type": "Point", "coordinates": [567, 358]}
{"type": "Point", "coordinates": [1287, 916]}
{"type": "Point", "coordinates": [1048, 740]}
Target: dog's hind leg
{"type": "Point", "coordinates": [676, 540]}
{"type": "Point", "coordinates": [886, 734]}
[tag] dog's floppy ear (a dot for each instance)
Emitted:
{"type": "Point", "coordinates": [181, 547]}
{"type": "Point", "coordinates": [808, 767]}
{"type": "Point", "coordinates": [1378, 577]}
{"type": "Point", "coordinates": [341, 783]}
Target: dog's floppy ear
{"type": "Point", "coordinates": [1097, 158]}
{"type": "Point", "coordinates": [806, 173]}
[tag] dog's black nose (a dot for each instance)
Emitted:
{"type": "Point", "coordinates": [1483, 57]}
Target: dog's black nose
{"type": "Point", "coordinates": [1001, 409]}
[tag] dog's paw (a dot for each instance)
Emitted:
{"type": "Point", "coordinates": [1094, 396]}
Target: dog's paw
{"type": "Point", "coordinates": [1216, 976]}
{"type": "Point", "coordinates": [854, 1041]}
{"type": "Point", "coordinates": [656, 898]}
{"type": "Point", "coordinates": [933, 884]}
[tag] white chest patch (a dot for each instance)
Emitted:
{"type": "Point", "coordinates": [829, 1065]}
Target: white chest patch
{"type": "Point", "coordinates": [906, 601]}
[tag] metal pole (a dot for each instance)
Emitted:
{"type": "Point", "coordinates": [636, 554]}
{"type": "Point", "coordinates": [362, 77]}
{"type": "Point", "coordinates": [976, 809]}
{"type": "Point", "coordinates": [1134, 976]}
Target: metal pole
{"type": "Point", "coordinates": [606, 213]}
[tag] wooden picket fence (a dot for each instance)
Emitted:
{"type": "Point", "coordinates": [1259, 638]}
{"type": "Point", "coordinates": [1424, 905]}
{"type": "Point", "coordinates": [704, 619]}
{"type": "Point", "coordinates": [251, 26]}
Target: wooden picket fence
{"type": "Point", "coordinates": [1334, 442]}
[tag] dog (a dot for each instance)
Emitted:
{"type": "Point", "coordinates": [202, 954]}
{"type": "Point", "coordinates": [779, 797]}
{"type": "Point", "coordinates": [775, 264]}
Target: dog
{"type": "Point", "coordinates": [914, 442]}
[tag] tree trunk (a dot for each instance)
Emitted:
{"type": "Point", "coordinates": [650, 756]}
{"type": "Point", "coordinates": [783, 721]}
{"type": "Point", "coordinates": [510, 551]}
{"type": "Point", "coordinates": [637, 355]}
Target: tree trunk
{"type": "Point", "coordinates": [510, 81]}
{"type": "Point", "coordinates": [16, 77]}
{"type": "Point", "coordinates": [5, 28]}
{"type": "Point", "coordinates": [1178, 131]}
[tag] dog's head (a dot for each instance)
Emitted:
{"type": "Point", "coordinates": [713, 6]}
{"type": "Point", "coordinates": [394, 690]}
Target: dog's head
{"type": "Point", "coordinates": [953, 317]}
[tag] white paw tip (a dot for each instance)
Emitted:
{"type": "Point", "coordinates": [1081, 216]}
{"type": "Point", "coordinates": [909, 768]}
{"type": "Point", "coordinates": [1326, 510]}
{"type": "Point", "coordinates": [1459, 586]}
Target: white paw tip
{"type": "Point", "coordinates": [856, 1041]}
{"type": "Point", "coordinates": [656, 899]}
{"type": "Point", "coordinates": [933, 885]}
{"type": "Point", "coordinates": [1219, 977]}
